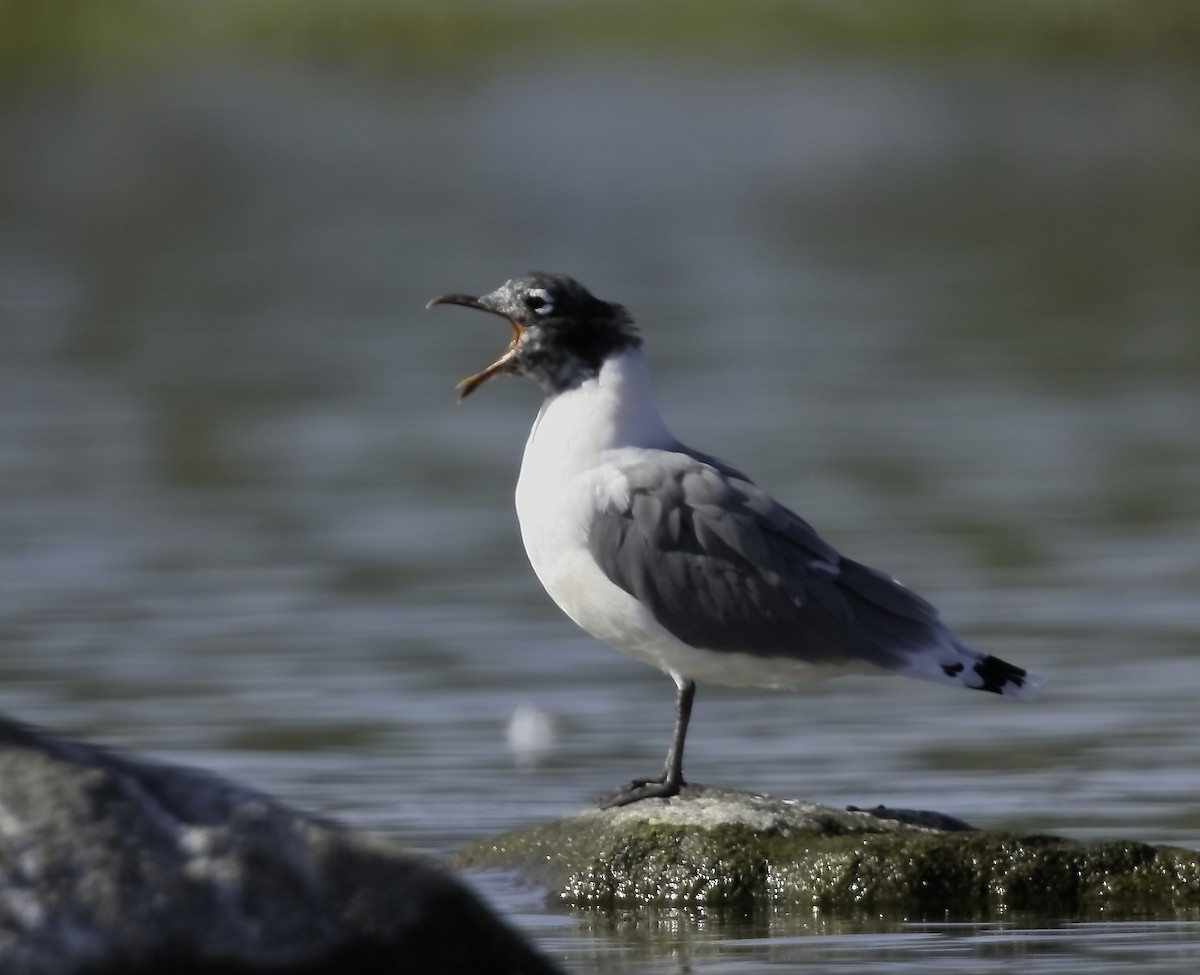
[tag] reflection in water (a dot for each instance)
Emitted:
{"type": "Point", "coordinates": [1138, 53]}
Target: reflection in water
{"type": "Point", "coordinates": [949, 315]}
{"type": "Point", "coordinates": [719, 942]}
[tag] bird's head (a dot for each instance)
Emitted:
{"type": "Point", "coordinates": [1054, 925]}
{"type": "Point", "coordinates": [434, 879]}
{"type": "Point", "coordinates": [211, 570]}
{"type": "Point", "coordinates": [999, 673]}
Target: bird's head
{"type": "Point", "coordinates": [561, 333]}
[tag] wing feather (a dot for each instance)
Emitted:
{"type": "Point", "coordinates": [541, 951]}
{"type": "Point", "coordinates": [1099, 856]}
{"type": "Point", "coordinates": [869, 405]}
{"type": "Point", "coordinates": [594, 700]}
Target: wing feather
{"type": "Point", "coordinates": [724, 567]}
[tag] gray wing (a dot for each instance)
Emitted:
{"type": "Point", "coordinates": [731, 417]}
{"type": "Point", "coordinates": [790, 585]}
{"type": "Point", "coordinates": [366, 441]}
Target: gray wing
{"type": "Point", "coordinates": [725, 567]}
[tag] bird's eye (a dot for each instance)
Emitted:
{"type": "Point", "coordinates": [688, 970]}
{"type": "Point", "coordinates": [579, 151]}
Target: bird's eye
{"type": "Point", "coordinates": [538, 301]}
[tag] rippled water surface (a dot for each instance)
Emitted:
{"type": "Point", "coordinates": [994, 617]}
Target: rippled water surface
{"type": "Point", "coordinates": [951, 315]}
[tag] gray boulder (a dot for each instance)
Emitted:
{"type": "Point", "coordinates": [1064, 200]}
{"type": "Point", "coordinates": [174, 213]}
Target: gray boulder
{"type": "Point", "coordinates": [113, 863]}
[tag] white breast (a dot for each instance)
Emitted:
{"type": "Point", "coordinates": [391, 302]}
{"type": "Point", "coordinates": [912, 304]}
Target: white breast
{"type": "Point", "coordinates": [570, 469]}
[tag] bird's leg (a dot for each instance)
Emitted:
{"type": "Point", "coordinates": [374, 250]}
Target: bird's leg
{"type": "Point", "coordinates": [673, 767]}
{"type": "Point", "coordinates": [671, 781]}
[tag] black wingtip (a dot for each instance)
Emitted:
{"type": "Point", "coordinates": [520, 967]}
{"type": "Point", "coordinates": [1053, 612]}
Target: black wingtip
{"type": "Point", "coordinates": [999, 676]}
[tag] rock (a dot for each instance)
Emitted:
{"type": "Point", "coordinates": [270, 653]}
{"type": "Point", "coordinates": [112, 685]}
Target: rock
{"type": "Point", "coordinates": [716, 847]}
{"type": "Point", "coordinates": [114, 863]}
{"type": "Point", "coordinates": [917, 817]}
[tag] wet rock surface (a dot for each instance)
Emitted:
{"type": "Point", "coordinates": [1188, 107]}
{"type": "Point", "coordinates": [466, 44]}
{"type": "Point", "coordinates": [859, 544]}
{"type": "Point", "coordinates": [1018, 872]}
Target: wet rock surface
{"type": "Point", "coordinates": [717, 847]}
{"type": "Point", "coordinates": [113, 863]}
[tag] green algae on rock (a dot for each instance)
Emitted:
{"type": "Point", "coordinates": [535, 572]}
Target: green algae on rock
{"type": "Point", "coordinates": [716, 847]}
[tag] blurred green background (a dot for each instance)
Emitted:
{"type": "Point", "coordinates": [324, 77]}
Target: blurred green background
{"type": "Point", "coordinates": [394, 34]}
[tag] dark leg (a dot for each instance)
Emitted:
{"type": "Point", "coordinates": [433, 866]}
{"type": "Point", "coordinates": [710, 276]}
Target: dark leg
{"type": "Point", "coordinates": [671, 781]}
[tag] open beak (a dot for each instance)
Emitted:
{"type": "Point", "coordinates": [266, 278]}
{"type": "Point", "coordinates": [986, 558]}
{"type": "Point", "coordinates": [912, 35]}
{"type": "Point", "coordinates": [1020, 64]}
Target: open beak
{"type": "Point", "coordinates": [467, 386]}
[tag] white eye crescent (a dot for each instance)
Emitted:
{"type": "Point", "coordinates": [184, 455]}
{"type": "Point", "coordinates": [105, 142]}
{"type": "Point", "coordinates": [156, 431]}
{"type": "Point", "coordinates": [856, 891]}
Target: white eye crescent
{"type": "Point", "coordinates": [539, 301]}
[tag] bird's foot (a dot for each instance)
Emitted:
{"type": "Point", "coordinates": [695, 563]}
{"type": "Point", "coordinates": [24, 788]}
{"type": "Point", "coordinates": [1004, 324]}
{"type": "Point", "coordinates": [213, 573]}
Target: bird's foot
{"type": "Point", "coordinates": [661, 788]}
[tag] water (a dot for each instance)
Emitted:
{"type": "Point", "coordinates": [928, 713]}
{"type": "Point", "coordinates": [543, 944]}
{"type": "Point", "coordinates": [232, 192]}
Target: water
{"type": "Point", "coordinates": [950, 314]}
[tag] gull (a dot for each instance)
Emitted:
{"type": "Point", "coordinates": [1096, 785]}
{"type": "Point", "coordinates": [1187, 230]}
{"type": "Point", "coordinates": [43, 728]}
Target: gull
{"type": "Point", "coordinates": [672, 555]}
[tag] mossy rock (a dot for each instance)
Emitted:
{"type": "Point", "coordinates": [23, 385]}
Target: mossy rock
{"type": "Point", "coordinates": [720, 848]}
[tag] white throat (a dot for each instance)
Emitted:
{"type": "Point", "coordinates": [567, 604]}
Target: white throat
{"type": "Point", "coordinates": [616, 409]}
{"type": "Point", "coordinates": [572, 460]}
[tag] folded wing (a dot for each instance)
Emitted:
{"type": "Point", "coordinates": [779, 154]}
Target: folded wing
{"type": "Point", "coordinates": [725, 567]}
